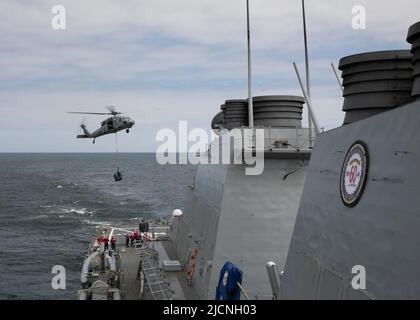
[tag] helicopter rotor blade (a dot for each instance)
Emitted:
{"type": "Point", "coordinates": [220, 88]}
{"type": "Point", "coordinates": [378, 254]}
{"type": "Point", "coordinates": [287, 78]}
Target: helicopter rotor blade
{"type": "Point", "coordinates": [95, 113]}
{"type": "Point", "coordinates": [112, 110]}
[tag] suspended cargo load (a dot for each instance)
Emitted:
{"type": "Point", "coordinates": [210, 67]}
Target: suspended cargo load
{"type": "Point", "coordinates": [118, 176]}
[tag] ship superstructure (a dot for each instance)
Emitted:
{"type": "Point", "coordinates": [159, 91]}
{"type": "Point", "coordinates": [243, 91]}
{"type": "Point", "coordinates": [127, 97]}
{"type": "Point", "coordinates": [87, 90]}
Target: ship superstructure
{"type": "Point", "coordinates": [359, 212]}
{"type": "Point", "coordinates": [240, 218]}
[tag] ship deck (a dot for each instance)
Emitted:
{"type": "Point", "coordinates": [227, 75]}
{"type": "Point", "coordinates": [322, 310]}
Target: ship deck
{"type": "Point", "coordinates": [177, 280]}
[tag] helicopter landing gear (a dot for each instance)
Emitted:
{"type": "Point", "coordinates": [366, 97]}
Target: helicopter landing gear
{"type": "Point", "coordinates": [128, 130]}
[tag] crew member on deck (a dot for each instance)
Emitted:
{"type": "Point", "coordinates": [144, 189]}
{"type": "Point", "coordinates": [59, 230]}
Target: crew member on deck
{"type": "Point", "coordinates": [106, 240]}
{"type": "Point", "coordinates": [132, 238]}
{"type": "Point", "coordinates": [113, 243]}
{"type": "Point", "coordinates": [127, 239]}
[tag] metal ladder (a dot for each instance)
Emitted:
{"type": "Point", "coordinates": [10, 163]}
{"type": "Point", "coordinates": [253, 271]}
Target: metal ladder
{"type": "Point", "coordinates": [154, 277]}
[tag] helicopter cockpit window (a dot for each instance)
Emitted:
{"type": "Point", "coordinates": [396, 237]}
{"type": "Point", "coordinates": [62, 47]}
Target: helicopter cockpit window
{"type": "Point", "coordinates": [110, 125]}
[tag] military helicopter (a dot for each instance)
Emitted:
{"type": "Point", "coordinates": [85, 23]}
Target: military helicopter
{"type": "Point", "coordinates": [113, 124]}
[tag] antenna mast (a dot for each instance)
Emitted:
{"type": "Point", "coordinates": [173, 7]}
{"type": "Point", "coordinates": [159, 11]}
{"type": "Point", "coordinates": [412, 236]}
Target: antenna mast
{"type": "Point", "coordinates": [250, 100]}
{"type": "Point", "coordinates": [308, 101]}
{"type": "Point", "coordinates": [337, 77]}
{"type": "Point", "coordinates": [308, 78]}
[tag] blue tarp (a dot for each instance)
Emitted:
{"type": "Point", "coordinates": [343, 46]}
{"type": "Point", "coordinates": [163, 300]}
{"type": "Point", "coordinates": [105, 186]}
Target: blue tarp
{"type": "Point", "coordinates": [227, 288]}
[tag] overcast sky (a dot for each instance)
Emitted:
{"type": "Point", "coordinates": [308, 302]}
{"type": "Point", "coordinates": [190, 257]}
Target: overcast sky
{"type": "Point", "coordinates": [161, 61]}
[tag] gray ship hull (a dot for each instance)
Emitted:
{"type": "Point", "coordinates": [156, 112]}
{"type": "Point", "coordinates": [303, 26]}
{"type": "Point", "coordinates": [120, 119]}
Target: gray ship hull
{"type": "Point", "coordinates": [379, 233]}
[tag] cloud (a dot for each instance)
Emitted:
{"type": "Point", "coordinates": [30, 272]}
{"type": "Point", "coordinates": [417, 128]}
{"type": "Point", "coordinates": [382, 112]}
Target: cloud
{"type": "Point", "coordinates": [183, 57]}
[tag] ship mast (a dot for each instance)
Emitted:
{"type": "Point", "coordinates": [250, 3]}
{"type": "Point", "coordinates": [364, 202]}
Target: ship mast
{"type": "Point", "coordinates": [308, 78]}
{"type": "Point", "coordinates": [250, 99]}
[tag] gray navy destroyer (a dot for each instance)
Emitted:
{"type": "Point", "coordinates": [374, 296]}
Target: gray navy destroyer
{"type": "Point", "coordinates": [297, 230]}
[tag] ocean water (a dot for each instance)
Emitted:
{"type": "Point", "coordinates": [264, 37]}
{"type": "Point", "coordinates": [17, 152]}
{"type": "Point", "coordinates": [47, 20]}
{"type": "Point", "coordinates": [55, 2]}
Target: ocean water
{"type": "Point", "coordinates": [50, 205]}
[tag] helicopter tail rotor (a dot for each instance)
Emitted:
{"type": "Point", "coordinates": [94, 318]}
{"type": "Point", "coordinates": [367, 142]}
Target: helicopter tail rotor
{"type": "Point", "coordinates": [82, 125]}
{"type": "Point", "coordinates": [85, 131]}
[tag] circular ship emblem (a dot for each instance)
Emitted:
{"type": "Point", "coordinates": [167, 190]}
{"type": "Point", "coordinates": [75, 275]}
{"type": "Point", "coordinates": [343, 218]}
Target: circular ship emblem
{"type": "Point", "coordinates": [353, 174]}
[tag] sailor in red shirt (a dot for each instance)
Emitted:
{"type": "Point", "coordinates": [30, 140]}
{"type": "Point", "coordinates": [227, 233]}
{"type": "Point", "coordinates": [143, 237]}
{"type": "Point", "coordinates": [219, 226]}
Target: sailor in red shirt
{"type": "Point", "coordinates": [106, 240]}
{"type": "Point", "coordinates": [100, 240]}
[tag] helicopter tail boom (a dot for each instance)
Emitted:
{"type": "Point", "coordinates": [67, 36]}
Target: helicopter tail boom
{"type": "Point", "coordinates": [86, 133]}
